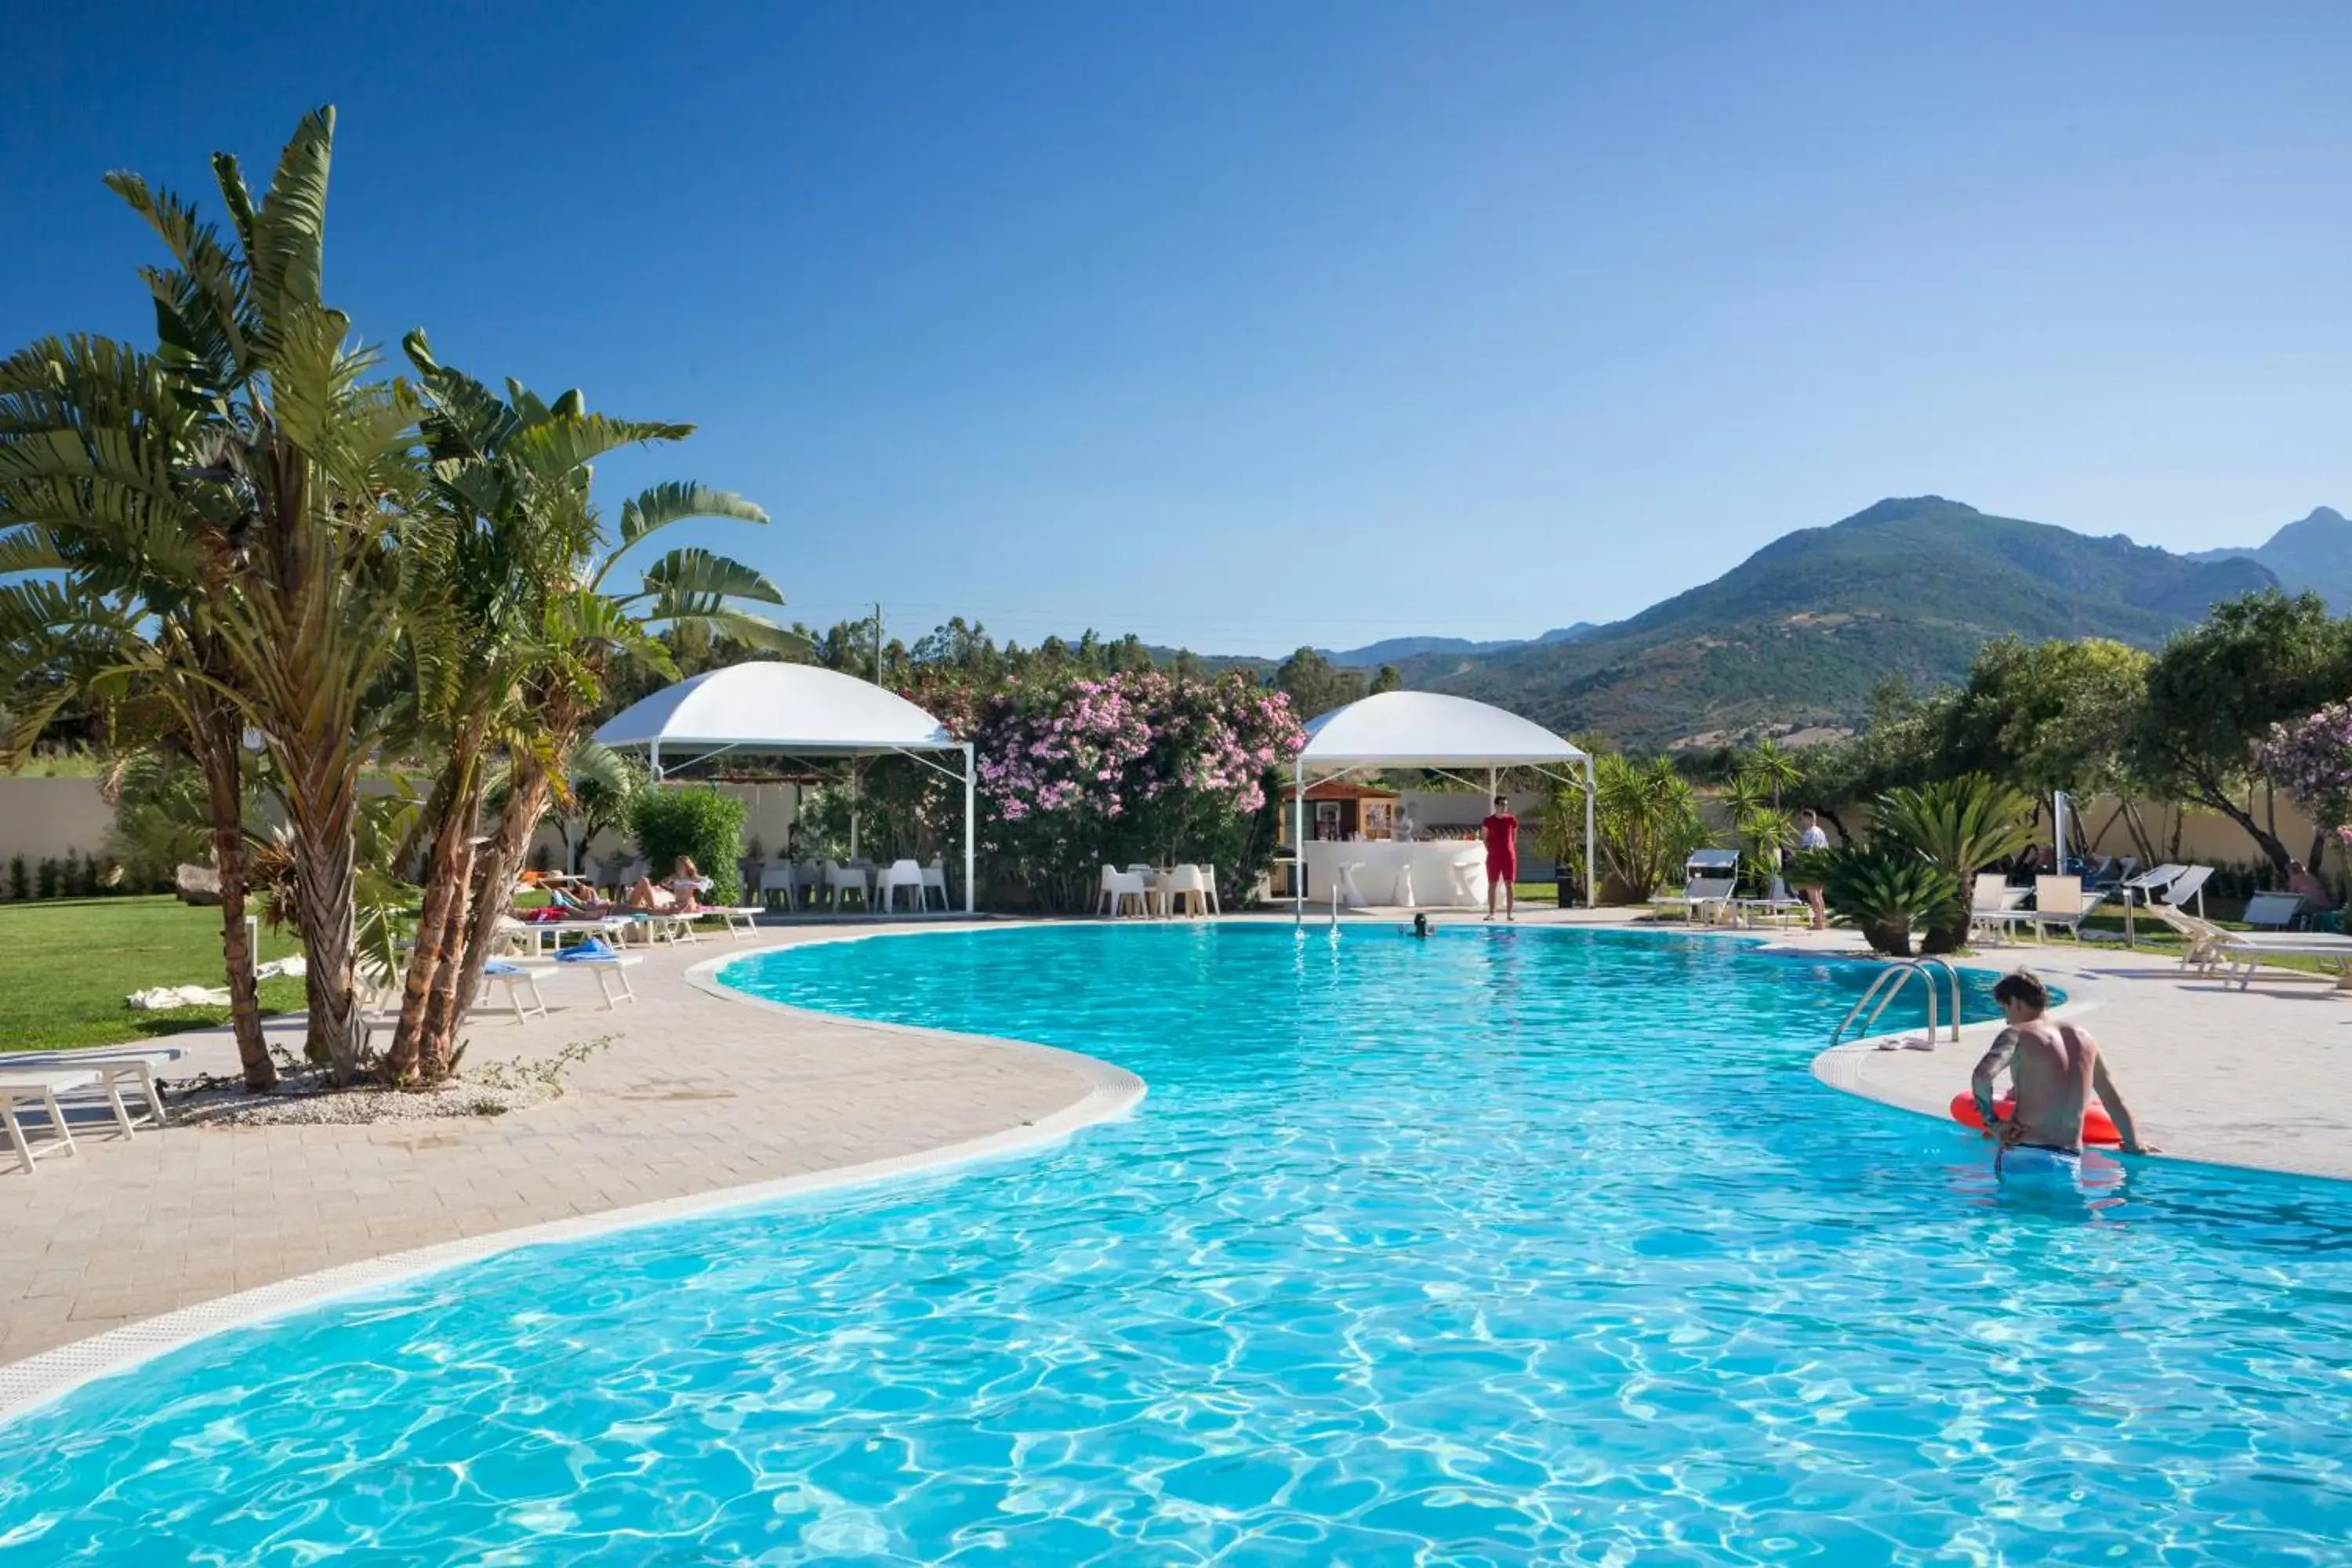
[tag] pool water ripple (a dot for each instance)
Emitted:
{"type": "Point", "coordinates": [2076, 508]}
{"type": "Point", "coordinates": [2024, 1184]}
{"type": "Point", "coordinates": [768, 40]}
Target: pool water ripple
{"type": "Point", "coordinates": [1508, 1247]}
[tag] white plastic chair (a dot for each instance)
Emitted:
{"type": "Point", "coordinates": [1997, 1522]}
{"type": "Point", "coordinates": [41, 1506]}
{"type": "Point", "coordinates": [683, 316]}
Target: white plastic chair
{"type": "Point", "coordinates": [841, 880]}
{"type": "Point", "coordinates": [785, 880]}
{"type": "Point", "coordinates": [1400, 894]}
{"type": "Point", "coordinates": [1120, 886]}
{"type": "Point", "coordinates": [1182, 883]}
{"type": "Point", "coordinates": [2061, 902]}
{"type": "Point", "coordinates": [1351, 896]}
{"type": "Point", "coordinates": [1104, 898]}
{"type": "Point", "coordinates": [1993, 905]}
{"type": "Point", "coordinates": [906, 874]}
{"type": "Point", "coordinates": [934, 877]}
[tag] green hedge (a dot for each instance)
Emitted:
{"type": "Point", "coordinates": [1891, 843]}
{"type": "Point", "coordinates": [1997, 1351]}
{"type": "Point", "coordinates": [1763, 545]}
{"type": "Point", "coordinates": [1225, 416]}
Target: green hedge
{"type": "Point", "coordinates": [695, 821]}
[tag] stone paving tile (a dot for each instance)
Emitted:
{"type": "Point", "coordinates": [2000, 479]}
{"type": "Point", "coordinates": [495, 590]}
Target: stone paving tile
{"type": "Point", "coordinates": [695, 1093]}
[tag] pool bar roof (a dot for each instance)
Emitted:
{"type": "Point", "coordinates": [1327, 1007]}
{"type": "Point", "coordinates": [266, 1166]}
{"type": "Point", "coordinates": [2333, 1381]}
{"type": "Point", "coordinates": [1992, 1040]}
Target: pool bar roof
{"type": "Point", "coordinates": [1430, 730]}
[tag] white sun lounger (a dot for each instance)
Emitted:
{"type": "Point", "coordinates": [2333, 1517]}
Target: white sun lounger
{"type": "Point", "coordinates": [39, 1088]}
{"type": "Point", "coordinates": [2243, 951]}
{"type": "Point", "coordinates": [742, 919]}
{"type": "Point", "coordinates": [116, 1070]}
{"type": "Point", "coordinates": [518, 980]}
{"type": "Point", "coordinates": [538, 936]}
{"type": "Point", "coordinates": [610, 972]}
{"type": "Point", "coordinates": [2273, 912]}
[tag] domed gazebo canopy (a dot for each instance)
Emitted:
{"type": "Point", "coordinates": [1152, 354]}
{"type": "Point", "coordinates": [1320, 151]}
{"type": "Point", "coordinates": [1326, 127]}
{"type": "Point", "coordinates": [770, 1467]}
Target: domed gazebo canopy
{"type": "Point", "coordinates": [1428, 729]}
{"type": "Point", "coordinates": [772, 707]}
{"type": "Point", "coordinates": [765, 707]}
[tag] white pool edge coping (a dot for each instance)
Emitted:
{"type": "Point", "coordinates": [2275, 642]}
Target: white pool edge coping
{"type": "Point", "coordinates": [1109, 1092]}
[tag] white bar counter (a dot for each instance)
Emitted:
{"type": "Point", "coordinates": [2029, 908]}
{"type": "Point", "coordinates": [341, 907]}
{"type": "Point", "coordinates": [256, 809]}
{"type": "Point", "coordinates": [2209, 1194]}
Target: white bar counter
{"type": "Point", "coordinates": [1378, 863]}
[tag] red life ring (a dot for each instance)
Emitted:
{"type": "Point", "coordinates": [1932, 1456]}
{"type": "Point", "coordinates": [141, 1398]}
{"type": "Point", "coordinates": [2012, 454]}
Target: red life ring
{"type": "Point", "coordinates": [2097, 1128]}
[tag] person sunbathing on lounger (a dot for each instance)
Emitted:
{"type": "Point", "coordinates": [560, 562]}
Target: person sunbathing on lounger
{"type": "Point", "coordinates": [2056, 1068]}
{"type": "Point", "coordinates": [587, 906]}
{"type": "Point", "coordinates": [647, 899]}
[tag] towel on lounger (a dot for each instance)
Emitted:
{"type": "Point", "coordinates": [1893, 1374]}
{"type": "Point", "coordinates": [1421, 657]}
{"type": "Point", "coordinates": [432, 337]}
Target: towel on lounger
{"type": "Point", "coordinates": [592, 951]}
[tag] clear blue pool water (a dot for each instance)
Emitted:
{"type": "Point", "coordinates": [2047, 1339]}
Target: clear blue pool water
{"type": "Point", "coordinates": [1516, 1246]}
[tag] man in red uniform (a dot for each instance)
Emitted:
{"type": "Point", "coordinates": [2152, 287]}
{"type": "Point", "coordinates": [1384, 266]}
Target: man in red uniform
{"type": "Point", "coordinates": [1502, 831]}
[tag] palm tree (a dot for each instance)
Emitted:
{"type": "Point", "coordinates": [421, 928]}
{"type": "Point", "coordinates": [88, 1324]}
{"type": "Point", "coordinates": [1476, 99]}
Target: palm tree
{"type": "Point", "coordinates": [96, 495]}
{"type": "Point", "coordinates": [1646, 820]}
{"type": "Point", "coordinates": [302, 461]}
{"type": "Point", "coordinates": [1772, 768]}
{"type": "Point", "coordinates": [513, 631]}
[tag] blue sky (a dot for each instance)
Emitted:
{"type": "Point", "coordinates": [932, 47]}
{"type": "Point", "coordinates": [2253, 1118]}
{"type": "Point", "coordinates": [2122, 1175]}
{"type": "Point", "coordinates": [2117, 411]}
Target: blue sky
{"type": "Point", "coordinates": [1243, 325]}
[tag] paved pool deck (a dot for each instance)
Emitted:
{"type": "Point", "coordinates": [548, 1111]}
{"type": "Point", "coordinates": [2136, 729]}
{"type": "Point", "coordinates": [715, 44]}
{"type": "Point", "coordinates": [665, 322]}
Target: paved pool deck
{"type": "Point", "coordinates": [703, 1098]}
{"type": "Point", "coordinates": [698, 1093]}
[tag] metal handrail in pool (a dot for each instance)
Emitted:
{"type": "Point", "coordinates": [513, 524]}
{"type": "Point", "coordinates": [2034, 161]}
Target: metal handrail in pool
{"type": "Point", "coordinates": [1891, 982]}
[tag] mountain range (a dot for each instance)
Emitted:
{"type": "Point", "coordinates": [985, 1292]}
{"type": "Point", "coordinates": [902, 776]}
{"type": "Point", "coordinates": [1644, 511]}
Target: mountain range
{"type": "Point", "coordinates": [2313, 552]}
{"type": "Point", "coordinates": [1794, 638]}
{"type": "Point", "coordinates": [1395, 650]}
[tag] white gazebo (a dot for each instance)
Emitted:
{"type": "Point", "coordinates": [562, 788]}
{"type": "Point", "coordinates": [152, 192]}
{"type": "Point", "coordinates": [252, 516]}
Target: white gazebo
{"type": "Point", "coordinates": [793, 711]}
{"type": "Point", "coordinates": [1437, 734]}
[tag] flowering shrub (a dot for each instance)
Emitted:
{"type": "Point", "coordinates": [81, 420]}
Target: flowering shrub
{"type": "Point", "coordinates": [2311, 759]}
{"type": "Point", "coordinates": [1083, 771]}
{"type": "Point", "coordinates": [1076, 770]}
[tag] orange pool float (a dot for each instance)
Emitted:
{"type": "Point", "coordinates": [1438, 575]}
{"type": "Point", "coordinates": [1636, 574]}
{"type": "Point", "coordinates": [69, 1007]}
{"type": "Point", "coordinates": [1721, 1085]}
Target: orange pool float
{"type": "Point", "coordinates": [2097, 1128]}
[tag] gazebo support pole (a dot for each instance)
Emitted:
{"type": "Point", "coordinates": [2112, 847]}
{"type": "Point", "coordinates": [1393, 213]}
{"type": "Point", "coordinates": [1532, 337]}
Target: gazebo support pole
{"type": "Point", "coordinates": [1298, 844]}
{"type": "Point", "coordinates": [1592, 900]}
{"type": "Point", "coordinates": [654, 750]}
{"type": "Point", "coordinates": [968, 820]}
{"type": "Point", "coordinates": [853, 807]}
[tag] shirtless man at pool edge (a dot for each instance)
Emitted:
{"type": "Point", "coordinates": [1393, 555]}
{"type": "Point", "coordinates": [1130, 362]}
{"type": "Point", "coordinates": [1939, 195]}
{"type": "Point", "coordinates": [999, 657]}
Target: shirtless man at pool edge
{"type": "Point", "coordinates": [2057, 1069]}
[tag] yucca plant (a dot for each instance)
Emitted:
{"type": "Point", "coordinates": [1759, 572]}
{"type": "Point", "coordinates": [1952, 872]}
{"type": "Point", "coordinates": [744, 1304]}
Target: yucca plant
{"type": "Point", "coordinates": [1885, 892]}
{"type": "Point", "coordinates": [1647, 822]}
{"type": "Point", "coordinates": [1961, 826]}
{"type": "Point", "coordinates": [1769, 834]}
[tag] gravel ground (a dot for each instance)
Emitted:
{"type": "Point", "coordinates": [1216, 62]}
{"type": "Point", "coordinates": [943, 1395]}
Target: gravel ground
{"type": "Point", "coordinates": [305, 1098]}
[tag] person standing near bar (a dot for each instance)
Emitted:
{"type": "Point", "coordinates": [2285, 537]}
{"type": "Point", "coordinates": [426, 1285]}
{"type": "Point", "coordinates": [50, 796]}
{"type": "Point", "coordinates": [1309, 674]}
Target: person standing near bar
{"type": "Point", "coordinates": [1502, 834]}
{"type": "Point", "coordinates": [1809, 839]}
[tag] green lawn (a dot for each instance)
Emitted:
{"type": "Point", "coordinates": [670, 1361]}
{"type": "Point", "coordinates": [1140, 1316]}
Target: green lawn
{"type": "Point", "coordinates": [65, 964]}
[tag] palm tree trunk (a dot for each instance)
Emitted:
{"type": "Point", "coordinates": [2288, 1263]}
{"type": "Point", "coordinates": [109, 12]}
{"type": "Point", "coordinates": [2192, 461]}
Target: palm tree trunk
{"type": "Point", "coordinates": [496, 867]}
{"type": "Point", "coordinates": [402, 1061]}
{"type": "Point", "coordinates": [446, 1008]}
{"type": "Point", "coordinates": [224, 791]}
{"type": "Point", "coordinates": [448, 868]}
{"type": "Point", "coordinates": [325, 882]}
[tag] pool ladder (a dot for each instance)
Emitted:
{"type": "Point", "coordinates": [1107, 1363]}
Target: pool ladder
{"type": "Point", "coordinates": [1889, 985]}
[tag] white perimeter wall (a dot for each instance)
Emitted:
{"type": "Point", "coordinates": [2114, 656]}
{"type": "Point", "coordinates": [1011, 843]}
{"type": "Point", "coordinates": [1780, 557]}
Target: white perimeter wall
{"type": "Point", "coordinates": [41, 819]}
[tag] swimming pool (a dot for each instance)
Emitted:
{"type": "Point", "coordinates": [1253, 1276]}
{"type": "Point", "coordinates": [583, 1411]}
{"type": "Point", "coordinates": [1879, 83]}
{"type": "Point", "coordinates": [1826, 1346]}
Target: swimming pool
{"type": "Point", "coordinates": [1514, 1246]}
